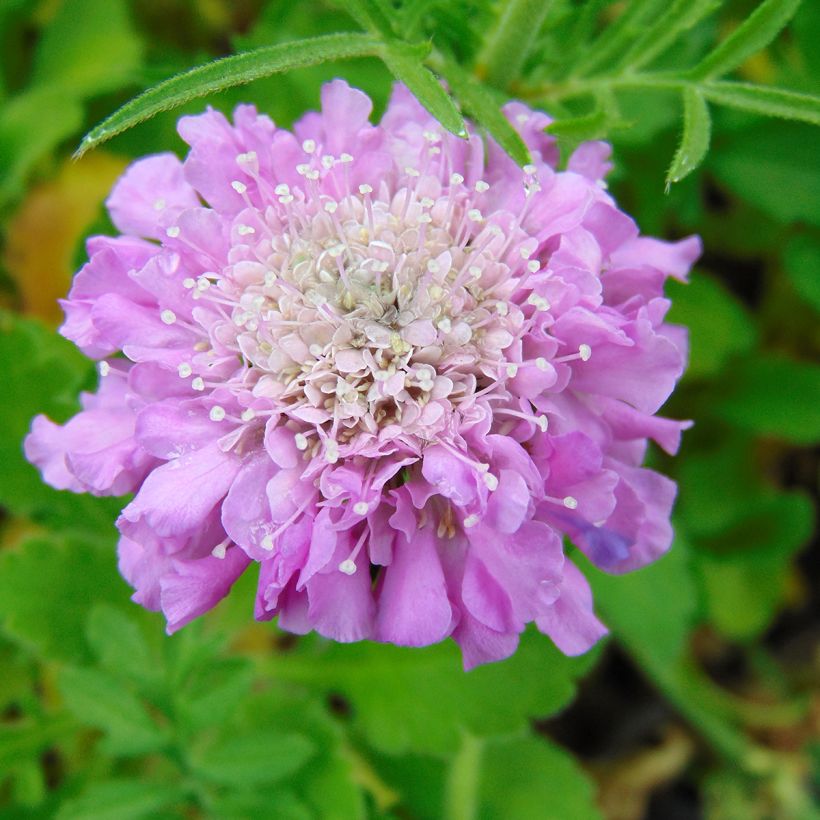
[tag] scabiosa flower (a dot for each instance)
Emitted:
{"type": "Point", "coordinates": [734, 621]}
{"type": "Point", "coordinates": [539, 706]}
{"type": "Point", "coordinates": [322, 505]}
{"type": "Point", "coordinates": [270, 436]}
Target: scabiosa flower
{"type": "Point", "coordinates": [386, 365]}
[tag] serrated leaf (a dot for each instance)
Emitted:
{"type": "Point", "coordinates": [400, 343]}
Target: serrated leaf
{"type": "Point", "coordinates": [420, 700]}
{"type": "Point", "coordinates": [229, 72]}
{"type": "Point", "coordinates": [214, 691]}
{"type": "Point", "coordinates": [119, 800]}
{"type": "Point", "coordinates": [119, 644]}
{"type": "Point", "coordinates": [761, 99]}
{"type": "Point", "coordinates": [482, 107]}
{"type": "Point", "coordinates": [802, 262]}
{"type": "Point", "coordinates": [694, 143]}
{"type": "Point", "coordinates": [89, 47]}
{"type": "Point", "coordinates": [751, 36]}
{"type": "Point", "coordinates": [48, 585]}
{"type": "Point", "coordinates": [772, 395]}
{"type": "Point", "coordinates": [256, 758]}
{"type": "Point", "coordinates": [99, 699]}
{"type": "Point", "coordinates": [405, 63]}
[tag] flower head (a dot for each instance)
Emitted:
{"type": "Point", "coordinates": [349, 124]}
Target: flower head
{"type": "Point", "coordinates": [385, 364]}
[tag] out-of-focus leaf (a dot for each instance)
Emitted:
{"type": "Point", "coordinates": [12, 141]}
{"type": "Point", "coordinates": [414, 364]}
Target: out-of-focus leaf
{"type": "Point", "coordinates": [120, 800]}
{"type": "Point", "coordinates": [44, 233]}
{"type": "Point", "coordinates": [773, 166]}
{"type": "Point", "coordinates": [650, 610]}
{"type": "Point", "coordinates": [260, 804]}
{"type": "Point", "coordinates": [420, 700]}
{"type": "Point", "coordinates": [89, 47]}
{"type": "Point", "coordinates": [259, 757]}
{"type": "Point", "coordinates": [773, 395]}
{"type": "Point", "coordinates": [769, 102]}
{"type": "Point", "coordinates": [694, 143]}
{"type": "Point", "coordinates": [32, 124]}
{"type": "Point", "coordinates": [370, 15]}
{"type": "Point", "coordinates": [803, 267]}
{"type": "Point", "coordinates": [719, 326]}
{"type": "Point", "coordinates": [99, 699]}
{"type": "Point", "coordinates": [482, 107]}
{"type": "Point", "coordinates": [226, 73]}
{"type": "Point", "coordinates": [119, 644]}
{"type": "Point", "coordinates": [214, 691]}
{"type": "Point", "coordinates": [47, 587]}
{"type": "Point", "coordinates": [44, 373]}
{"type": "Point", "coordinates": [528, 777]}
{"type": "Point", "coordinates": [405, 62]}
{"type": "Point", "coordinates": [752, 35]}
{"type": "Point", "coordinates": [29, 738]}
{"type": "Point", "coordinates": [745, 572]}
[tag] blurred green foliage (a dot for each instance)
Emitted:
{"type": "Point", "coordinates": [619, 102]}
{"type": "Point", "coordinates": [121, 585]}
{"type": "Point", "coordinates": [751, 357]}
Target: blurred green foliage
{"type": "Point", "coordinates": [103, 716]}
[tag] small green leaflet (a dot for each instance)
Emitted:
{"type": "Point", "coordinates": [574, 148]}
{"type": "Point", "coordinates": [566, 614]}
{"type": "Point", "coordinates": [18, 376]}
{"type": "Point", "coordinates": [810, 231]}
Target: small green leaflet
{"type": "Point", "coordinates": [769, 102]}
{"type": "Point", "coordinates": [405, 63]}
{"type": "Point", "coordinates": [697, 127]}
{"type": "Point", "coordinates": [753, 35]}
{"type": "Point", "coordinates": [370, 15]}
{"type": "Point", "coordinates": [228, 72]}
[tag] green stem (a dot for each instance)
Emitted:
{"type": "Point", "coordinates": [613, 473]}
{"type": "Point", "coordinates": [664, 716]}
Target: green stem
{"type": "Point", "coordinates": [507, 47]}
{"type": "Point", "coordinates": [461, 788]}
{"type": "Point", "coordinates": [580, 87]}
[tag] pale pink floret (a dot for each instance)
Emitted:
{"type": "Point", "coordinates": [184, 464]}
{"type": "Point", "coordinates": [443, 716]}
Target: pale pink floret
{"type": "Point", "coordinates": [385, 364]}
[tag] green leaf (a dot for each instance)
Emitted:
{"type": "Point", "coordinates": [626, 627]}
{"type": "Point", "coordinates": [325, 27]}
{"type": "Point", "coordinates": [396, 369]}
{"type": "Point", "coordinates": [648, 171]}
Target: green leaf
{"type": "Point", "coordinates": [228, 72]}
{"type": "Point", "coordinates": [482, 107]}
{"type": "Point", "coordinates": [744, 573]}
{"type": "Point", "coordinates": [651, 610]}
{"type": "Point", "coordinates": [370, 15]}
{"type": "Point", "coordinates": [47, 587]}
{"type": "Point", "coordinates": [694, 143]}
{"type": "Point", "coordinates": [214, 691]}
{"type": "Point", "coordinates": [510, 42]}
{"type": "Point", "coordinates": [32, 124]}
{"type": "Point", "coordinates": [27, 739]}
{"type": "Point", "coordinates": [771, 395]}
{"type": "Point", "coordinates": [260, 804]}
{"type": "Point", "coordinates": [99, 699]}
{"type": "Point", "coordinates": [766, 101]}
{"type": "Point", "coordinates": [752, 35]}
{"type": "Point", "coordinates": [670, 25]}
{"type": "Point", "coordinates": [119, 644]}
{"type": "Point", "coordinates": [802, 263]}
{"type": "Point", "coordinates": [256, 758]}
{"type": "Point", "coordinates": [528, 777]}
{"type": "Point", "coordinates": [768, 165]}
{"type": "Point", "coordinates": [120, 800]}
{"type": "Point", "coordinates": [89, 48]}
{"type": "Point", "coordinates": [405, 63]}
{"type": "Point", "coordinates": [720, 328]}
{"type": "Point", "coordinates": [421, 700]}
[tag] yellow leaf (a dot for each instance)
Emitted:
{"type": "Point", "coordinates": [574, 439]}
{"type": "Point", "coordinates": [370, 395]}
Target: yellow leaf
{"type": "Point", "coordinates": [43, 235]}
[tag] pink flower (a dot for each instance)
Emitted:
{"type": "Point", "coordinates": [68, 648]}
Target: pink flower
{"type": "Point", "coordinates": [384, 364]}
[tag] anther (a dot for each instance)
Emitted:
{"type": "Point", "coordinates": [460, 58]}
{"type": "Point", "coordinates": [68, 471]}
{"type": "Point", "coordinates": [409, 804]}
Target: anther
{"type": "Point", "coordinates": [239, 187]}
{"type": "Point", "coordinates": [173, 231]}
{"type": "Point", "coordinates": [570, 502]}
{"type": "Point", "coordinates": [491, 481]}
{"type": "Point", "coordinates": [456, 179]}
{"type": "Point", "coordinates": [104, 368]}
{"type": "Point", "coordinates": [159, 205]}
{"type": "Point", "coordinates": [248, 415]}
{"type": "Point", "coordinates": [168, 317]}
{"type": "Point", "coordinates": [348, 567]}
{"type": "Point", "coordinates": [482, 186]}
{"type": "Point", "coordinates": [184, 370]}
{"type": "Point", "coordinates": [217, 413]}
{"type": "Point", "coordinates": [282, 189]}
{"type": "Point", "coordinates": [189, 283]}
{"type": "Point", "coordinates": [361, 508]}
{"type": "Point", "coordinates": [198, 384]}
{"type": "Point", "coordinates": [300, 439]}
{"type": "Point", "coordinates": [471, 520]}
{"type": "Point", "coordinates": [244, 230]}
{"type": "Point", "coordinates": [584, 351]}
{"type": "Point", "coordinates": [308, 146]}
{"type": "Point", "coordinates": [365, 189]}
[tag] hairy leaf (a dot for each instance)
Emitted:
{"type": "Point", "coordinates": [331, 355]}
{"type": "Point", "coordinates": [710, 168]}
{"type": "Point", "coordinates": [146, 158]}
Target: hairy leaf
{"type": "Point", "coordinates": [405, 63]}
{"type": "Point", "coordinates": [228, 72]}
{"type": "Point", "coordinates": [764, 100]}
{"type": "Point", "coordinates": [697, 128]}
{"type": "Point", "coordinates": [754, 34]}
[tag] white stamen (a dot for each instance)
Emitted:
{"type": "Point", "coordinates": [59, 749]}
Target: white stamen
{"type": "Point", "coordinates": [189, 283]}
{"type": "Point", "coordinates": [248, 414]}
{"type": "Point", "coordinates": [491, 481]}
{"type": "Point", "coordinates": [541, 363]}
{"type": "Point", "coordinates": [282, 189]}
{"type": "Point", "coordinates": [411, 172]}
{"type": "Point", "coordinates": [105, 368]}
{"type": "Point", "coordinates": [529, 170]}
{"type": "Point", "coordinates": [239, 187]}
{"type": "Point", "coordinates": [248, 157]}
{"type": "Point", "coordinates": [348, 567]}
{"type": "Point", "coordinates": [267, 543]}
{"type": "Point", "coordinates": [308, 146]}
{"type": "Point", "coordinates": [361, 508]}
{"type": "Point", "coordinates": [471, 520]}
{"type": "Point", "coordinates": [512, 370]}
{"type": "Point", "coordinates": [244, 230]}
{"type": "Point", "coordinates": [331, 451]}
{"type": "Point", "coordinates": [570, 503]}
{"type": "Point", "coordinates": [327, 161]}
{"type": "Point", "coordinates": [474, 215]}
{"type": "Point", "coordinates": [533, 266]}
{"type": "Point", "coordinates": [173, 231]}
{"type": "Point", "coordinates": [159, 205]}
{"type": "Point", "coordinates": [198, 384]}
{"type": "Point", "coordinates": [346, 158]}
{"type": "Point", "coordinates": [217, 413]}
{"type": "Point", "coordinates": [331, 207]}
{"type": "Point", "coordinates": [456, 179]}
{"type": "Point", "coordinates": [168, 317]}
{"type": "Point", "coordinates": [184, 370]}
{"type": "Point", "coordinates": [481, 186]}
{"type": "Point", "coordinates": [584, 351]}
{"type": "Point", "coordinates": [445, 325]}
{"type": "Point", "coordinates": [543, 423]}
{"type": "Point", "coordinates": [301, 441]}
{"type": "Point", "coordinates": [365, 189]}
{"type": "Point", "coordinates": [219, 550]}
